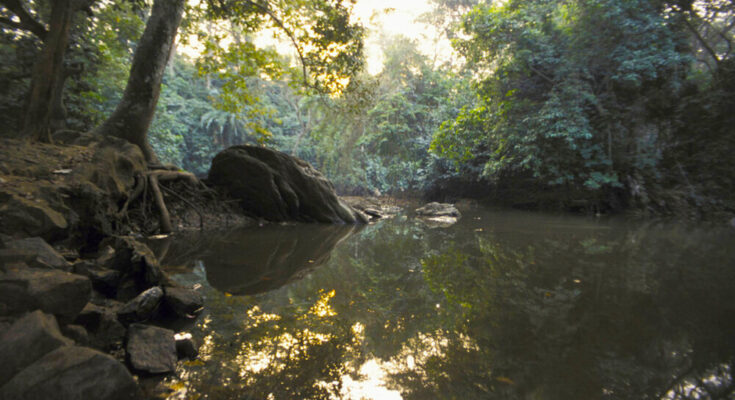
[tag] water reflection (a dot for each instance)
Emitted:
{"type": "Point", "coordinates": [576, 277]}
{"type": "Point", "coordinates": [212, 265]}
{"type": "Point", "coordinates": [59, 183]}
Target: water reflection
{"type": "Point", "coordinates": [515, 306]}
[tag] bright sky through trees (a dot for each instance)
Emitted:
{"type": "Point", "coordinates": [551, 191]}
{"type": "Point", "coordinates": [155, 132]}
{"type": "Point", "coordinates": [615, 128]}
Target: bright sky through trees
{"type": "Point", "coordinates": [390, 17]}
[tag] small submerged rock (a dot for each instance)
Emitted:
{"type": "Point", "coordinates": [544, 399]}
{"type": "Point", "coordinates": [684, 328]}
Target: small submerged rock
{"type": "Point", "coordinates": [186, 346]}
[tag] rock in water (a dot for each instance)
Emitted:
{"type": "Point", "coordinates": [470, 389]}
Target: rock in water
{"type": "Point", "coordinates": [278, 187]}
{"type": "Point", "coordinates": [27, 340]}
{"type": "Point", "coordinates": [72, 372]}
{"type": "Point", "coordinates": [438, 210]}
{"type": "Point", "coordinates": [142, 307]}
{"type": "Point", "coordinates": [151, 349]}
{"type": "Point", "coordinates": [182, 301]}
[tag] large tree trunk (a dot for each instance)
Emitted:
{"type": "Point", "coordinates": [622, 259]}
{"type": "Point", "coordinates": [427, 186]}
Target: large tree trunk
{"type": "Point", "coordinates": [47, 78]}
{"type": "Point", "coordinates": [133, 115]}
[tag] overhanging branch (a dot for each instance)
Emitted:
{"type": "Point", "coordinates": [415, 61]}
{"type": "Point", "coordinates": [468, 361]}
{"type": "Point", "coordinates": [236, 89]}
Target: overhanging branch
{"type": "Point", "coordinates": [27, 22]}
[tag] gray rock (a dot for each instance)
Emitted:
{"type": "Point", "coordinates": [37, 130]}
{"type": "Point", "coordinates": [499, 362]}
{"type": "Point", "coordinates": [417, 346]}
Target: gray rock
{"type": "Point", "coordinates": [55, 292]}
{"type": "Point", "coordinates": [278, 187]}
{"type": "Point", "coordinates": [103, 280]}
{"type": "Point", "coordinates": [30, 217]}
{"type": "Point", "coordinates": [77, 333]}
{"type": "Point", "coordinates": [186, 347]}
{"type": "Point", "coordinates": [109, 334]}
{"type": "Point", "coordinates": [27, 340]}
{"type": "Point", "coordinates": [73, 373]}
{"type": "Point", "coordinates": [45, 254]}
{"type": "Point", "coordinates": [142, 307]}
{"type": "Point", "coordinates": [182, 301]}
{"type": "Point", "coordinates": [16, 258]}
{"type": "Point", "coordinates": [438, 210]}
{"type": "Point", "coordinates": [151, 349]}
{"type": "Point", "coordinates": [136, 262]}
{"type": "Point", "coordinates": [90, 316]}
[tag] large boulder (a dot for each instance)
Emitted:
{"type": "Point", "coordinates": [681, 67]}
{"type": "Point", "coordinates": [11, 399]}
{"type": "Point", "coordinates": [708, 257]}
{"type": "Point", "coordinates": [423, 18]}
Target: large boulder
{"type": "Point", "coordinates": [278, 187]}
{"type": "Point", "coordinates": [46, 256]}
{"type": "Point", "coordinates": [52, 291]}
{"type": "Point", "coordinates": [27, 340]}
{"type": "Point", "coordinates": [151, 349]}
{"type": "Point", "coordinates": [73, 373]}
{"type": "Point", "coordinates": [30, 217]}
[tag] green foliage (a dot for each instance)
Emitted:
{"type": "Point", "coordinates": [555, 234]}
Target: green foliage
{"type": "Point", "coordinates": [564, 88]}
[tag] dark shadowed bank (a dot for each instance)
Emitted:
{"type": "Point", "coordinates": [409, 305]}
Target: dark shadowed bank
{"type": "Point", "coordinates": [85, 309]}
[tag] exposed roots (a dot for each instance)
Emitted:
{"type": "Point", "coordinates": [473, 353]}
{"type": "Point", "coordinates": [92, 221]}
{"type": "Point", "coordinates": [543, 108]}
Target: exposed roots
{"type": "Point", "coordinates": [153, 179]}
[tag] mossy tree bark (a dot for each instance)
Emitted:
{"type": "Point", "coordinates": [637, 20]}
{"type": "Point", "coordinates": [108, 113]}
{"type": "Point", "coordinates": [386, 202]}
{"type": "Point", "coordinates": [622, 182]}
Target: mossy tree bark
{"type": "Point", "coordinates": [133, 115]}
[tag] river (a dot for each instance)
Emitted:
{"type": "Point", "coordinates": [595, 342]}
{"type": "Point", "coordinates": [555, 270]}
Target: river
{"type": "Point", "coordinates": [502, 305]}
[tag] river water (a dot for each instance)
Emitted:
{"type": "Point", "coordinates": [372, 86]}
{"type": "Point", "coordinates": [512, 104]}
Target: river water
{"type": "Point", "coordinates": [501, 305]}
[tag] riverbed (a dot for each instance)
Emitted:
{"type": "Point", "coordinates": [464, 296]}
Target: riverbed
{"type": "Point", "coordinates": [503, 304]}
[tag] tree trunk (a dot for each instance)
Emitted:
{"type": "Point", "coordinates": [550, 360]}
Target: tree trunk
{"type": "Point", "coordinates": [133, 115]}
{"type": "Point", "coordinates": [48, 73]}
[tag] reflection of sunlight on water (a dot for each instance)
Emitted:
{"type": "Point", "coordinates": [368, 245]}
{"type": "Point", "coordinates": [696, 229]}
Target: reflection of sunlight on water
{"type": "Point", "coordinates": [372, 385]}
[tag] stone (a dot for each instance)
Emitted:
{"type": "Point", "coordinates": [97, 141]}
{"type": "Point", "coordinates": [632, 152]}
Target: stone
{"type": "Point", "coordinates": [278, 187]}
{"type": "Point", "coordinates": [186, 346]}
{"type": "Point", "coordinates": [438, 210]}
{"type": "Point", "coordinates": [182, 301]}
{"type": "Point", "coordinates": [90, 316]}
{"type": "Point", "coordinates": [73, 373]}
{"type": "Point", "coordinates": [30, 217]}
{"type": "Point", "coordinates": [55, 292]}
{"type": "Point", "coordinates": [45, 254]}
{"type": "Point", "coordinates": [109, 334]}
{"type": "Point", "coordinates": [103, 280]}
{"type": "Point", "coordinates": [142, 307]}
{"type": "Point", "coordinates": [151, 349]}
{"type": "Point", "coordinates": [77, 333]}
{"type": "Point", "coordinates": [134, 260]}
{"type": "Point", "coordinates": [27, 340]}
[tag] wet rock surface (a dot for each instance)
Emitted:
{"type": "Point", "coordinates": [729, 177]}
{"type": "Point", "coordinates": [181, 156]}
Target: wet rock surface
{"type": "Point", "coordinates": [375, 208]}
{"type": "Point", "coordinates": [142, 307]}
{"type": "Point", "coordinates": [151, 349]}
{"type": "Point", "coordinates": [182, 301]}
{"type": "Point", "coordinates": [277, 187]}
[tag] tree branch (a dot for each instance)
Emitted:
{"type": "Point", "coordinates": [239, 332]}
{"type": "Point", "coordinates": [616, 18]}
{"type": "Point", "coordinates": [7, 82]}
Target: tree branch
{"type": "Point", "coordinates": [27, 22]}
{"type": "Point", "coordinates": [702, 41]}
{"type": "Point", "coordinates": [290, 35]}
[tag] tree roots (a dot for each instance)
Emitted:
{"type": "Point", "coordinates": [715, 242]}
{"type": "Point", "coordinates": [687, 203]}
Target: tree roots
{"type": "Point", "coordinates": [152, 179]}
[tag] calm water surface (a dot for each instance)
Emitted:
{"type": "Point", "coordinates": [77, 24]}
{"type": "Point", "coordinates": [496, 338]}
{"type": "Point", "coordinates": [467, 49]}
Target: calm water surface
{"type": "Point", "coordinates": [502, 305]}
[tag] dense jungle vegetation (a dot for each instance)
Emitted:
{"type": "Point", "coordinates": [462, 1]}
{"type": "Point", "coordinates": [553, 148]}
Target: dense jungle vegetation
{"type": "Point", "coordinates": [577, 104]}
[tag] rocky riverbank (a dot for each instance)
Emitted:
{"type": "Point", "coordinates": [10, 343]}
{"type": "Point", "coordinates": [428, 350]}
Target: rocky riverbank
{"type": "Point", "coordinates": [84, 305]}
{"type": "Point", "coordinates": [86, 327]}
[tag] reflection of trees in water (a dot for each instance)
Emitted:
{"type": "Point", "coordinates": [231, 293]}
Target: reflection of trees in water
{"type": "Point", "coordinates": [599, 316]}
{"type": "Point", "coordinates": [564, 314]}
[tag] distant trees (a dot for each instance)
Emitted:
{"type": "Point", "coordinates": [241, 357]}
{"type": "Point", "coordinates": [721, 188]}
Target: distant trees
{"type": "Point", "coordinates": [583, 95]}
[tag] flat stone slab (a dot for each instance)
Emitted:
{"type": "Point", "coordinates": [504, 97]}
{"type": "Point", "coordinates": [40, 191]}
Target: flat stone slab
{"type": "Point", "coordinates": [151, 349]}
